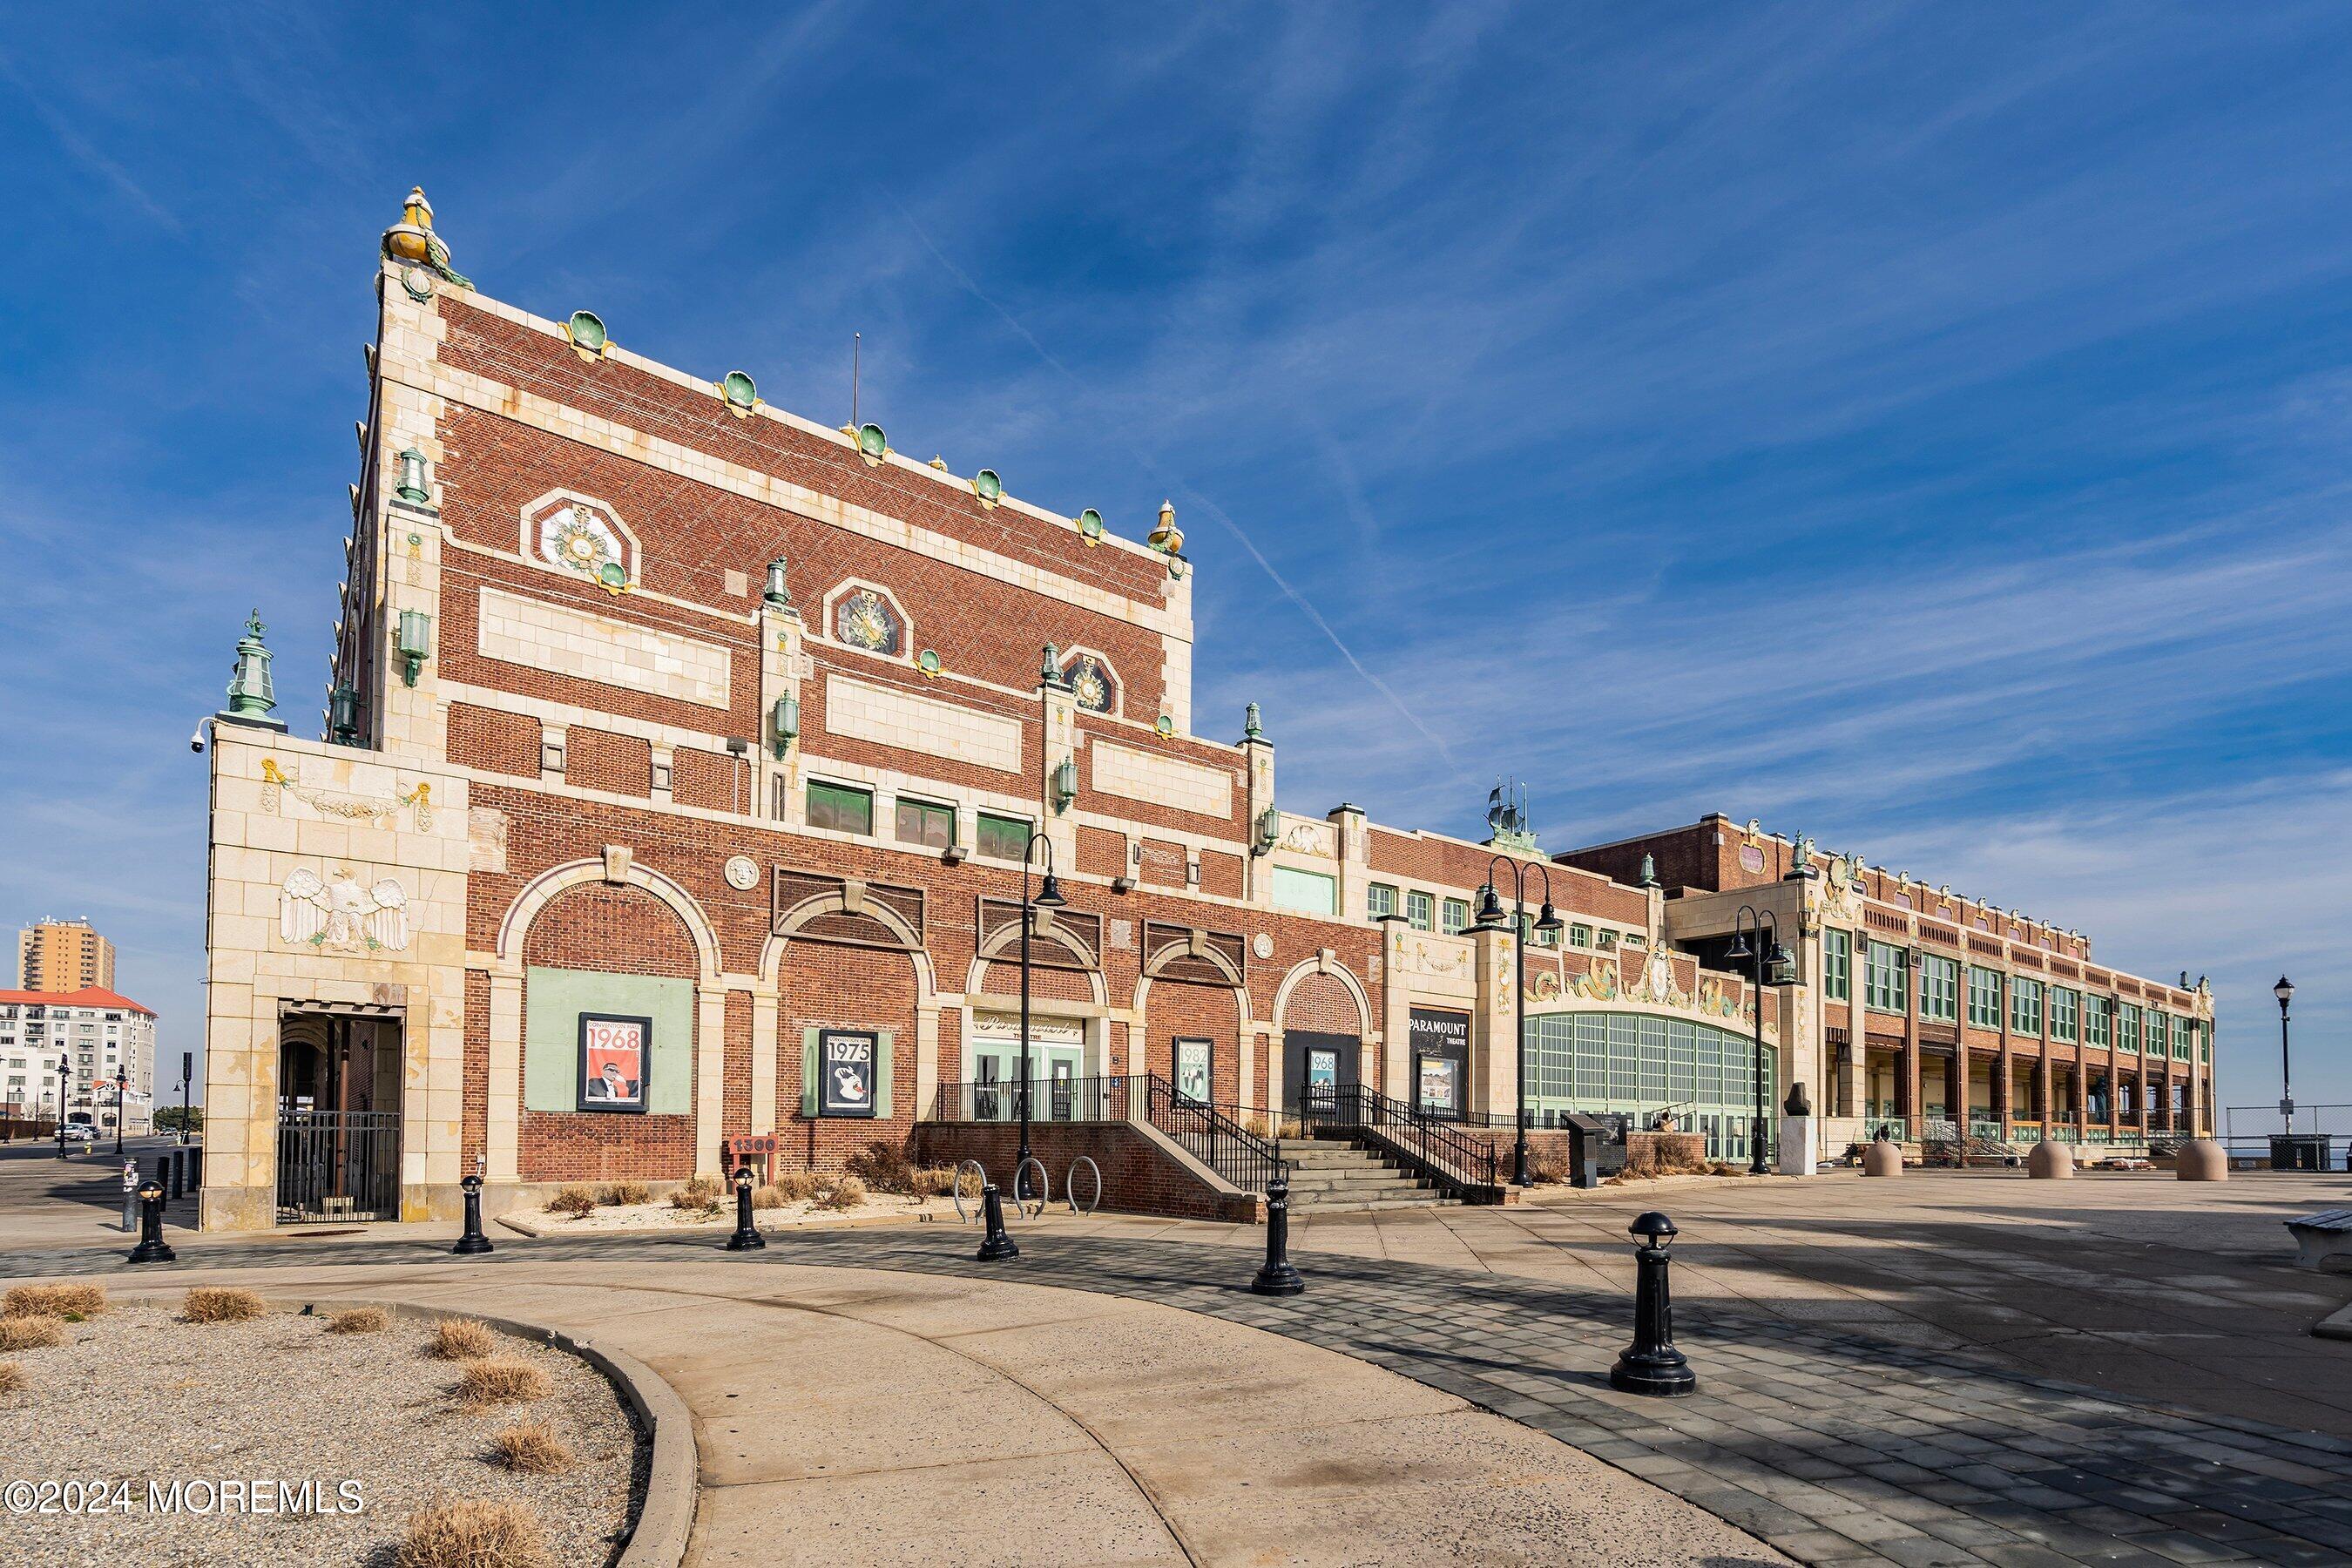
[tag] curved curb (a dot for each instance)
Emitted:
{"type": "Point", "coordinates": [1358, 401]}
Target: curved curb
{"type": "Point", "coordinates": [665, 1517]}
{"type": "Point", "coordinates": [2337, 1325]}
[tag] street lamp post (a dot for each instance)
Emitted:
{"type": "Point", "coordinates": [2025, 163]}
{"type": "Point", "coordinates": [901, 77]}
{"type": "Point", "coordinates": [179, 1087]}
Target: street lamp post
{"type": "Point", "coordinates": [187, 1074]}
{"type": "Point", "coordinates": [1048, 897]}
{"type": "Point", "coordinates": [122, 1085]}
{"type": "Point", "coordinates": [2284, 992]}
{"type": "Point", "coordinates": [1770, 964]}
{"type": "Point", "coordinates": [1490, 918]}
{"type": "Point", "coordinates": [65, 1088]}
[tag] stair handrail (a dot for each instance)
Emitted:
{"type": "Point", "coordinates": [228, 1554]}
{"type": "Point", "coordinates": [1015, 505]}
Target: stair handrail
{"type": "Point", "coordinates": [1445, 1151]}
{"type": "Point", "coordinates": [1237, 1155]}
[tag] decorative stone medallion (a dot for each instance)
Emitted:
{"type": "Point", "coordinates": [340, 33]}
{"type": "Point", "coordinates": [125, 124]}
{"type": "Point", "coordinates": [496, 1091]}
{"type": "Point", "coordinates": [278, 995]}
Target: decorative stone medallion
{"type": "Point", "coordinates": [865, 620]}
{"type": "Point", "coordinates": [1090, 685]}
{"type": "Point", "coordinates": [1262, 945]}
{"type": "Point", "coordinates": [576, 539]}
{"type": "Point", "coordinates": [743, 873]}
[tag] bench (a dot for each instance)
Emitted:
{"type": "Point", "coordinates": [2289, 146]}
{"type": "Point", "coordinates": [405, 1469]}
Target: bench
{"type": "Point", "coordinates": [2320, 1236]}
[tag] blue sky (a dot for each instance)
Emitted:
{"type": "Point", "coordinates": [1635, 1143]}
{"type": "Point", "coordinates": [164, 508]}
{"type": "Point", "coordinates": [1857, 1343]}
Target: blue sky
{"type": "Point", "coordinates": [1922, 427]}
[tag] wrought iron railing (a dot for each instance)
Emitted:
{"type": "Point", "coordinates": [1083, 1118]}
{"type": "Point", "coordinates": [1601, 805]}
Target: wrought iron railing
{"type": "Point", "coordinates": [1236, 1153]}
{"type": "Point", "coordinates": [1444, 1153]}
{"type": "Point", "coordinates": [1211, 1134]}
{"type": "Point", "coordinates": [338, 1165]}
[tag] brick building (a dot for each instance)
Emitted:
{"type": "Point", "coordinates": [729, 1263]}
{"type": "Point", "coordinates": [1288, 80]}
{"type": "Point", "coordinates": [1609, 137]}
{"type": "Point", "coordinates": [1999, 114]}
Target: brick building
{"type": "Point", "coordinates": [682, 757]}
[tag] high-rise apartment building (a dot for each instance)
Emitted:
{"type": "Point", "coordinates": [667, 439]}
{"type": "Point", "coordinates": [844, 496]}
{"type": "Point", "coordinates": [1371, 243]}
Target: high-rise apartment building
{"type": "Point", "coordinates": [63, 955]}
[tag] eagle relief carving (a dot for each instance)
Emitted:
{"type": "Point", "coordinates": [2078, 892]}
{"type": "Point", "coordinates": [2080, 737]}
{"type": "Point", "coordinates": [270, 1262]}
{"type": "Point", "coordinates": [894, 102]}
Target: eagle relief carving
{"type": "Point", "coordinates": [338, 915]}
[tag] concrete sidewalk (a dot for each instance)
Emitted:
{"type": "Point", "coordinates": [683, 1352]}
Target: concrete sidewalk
{"type": "Point", "coordinates": [849, 1415]}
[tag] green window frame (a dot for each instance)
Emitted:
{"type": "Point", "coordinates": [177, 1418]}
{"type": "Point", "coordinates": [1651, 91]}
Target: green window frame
{"type": "Point", "coordinates": [2127, 1027]}
{"type": "Point", "coordinates": [2183, 1029]}
{"type": "Point", "coordinates": [2157, 1037]}
{"type": "Point", "coordinates": [2066, 1013]}
{"type": "Point", "coordinates": [1305, 892]}
{"type": "Point", "coordinates": [926, 822]}
{"type": "Point", "coordinates": [1887, 984]}
{"type": "Point", "coordinates": [1456, 917]}
{"type": "Point", "coordinates": [840, 808]}
{"type": "Point", "coordinates": [1580, 935]}
{"type": "Point", "coordinates": [2205, 1043]}
{"type": "Point", "coordinates": [2024, 1006]}
{"type": "Point", "coordinates": [1419, 910]}
{"type": "Point", "coordinates": [1984, 997]}
{"type": "Point", "coordinates": [1001, 837]}
{"type": "Point", "coordinates": [1380, 900]}
{"type": "Point", "coordinates": [1605, 940]}
{"type": "Point", "coordinates": [2098, 1022]}
{"type": "Point", "coordinates": [1939, 989]}
{"type": "Point", "coordinates": [1837, 964]}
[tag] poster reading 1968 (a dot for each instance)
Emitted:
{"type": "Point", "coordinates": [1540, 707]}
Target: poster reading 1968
{"type": "Point", "coordinates": [614, 1050]}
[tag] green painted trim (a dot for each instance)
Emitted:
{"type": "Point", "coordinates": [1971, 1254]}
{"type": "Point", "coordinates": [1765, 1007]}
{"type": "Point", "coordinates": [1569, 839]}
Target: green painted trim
{"type": "Point", "coordinates": [553, 1000]}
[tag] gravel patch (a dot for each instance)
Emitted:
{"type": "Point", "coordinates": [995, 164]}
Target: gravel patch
{"type": "Point", "coordinates": [137, 1395]}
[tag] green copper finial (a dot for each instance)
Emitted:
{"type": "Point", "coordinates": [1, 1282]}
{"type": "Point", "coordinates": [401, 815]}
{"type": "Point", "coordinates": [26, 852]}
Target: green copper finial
{"type": "Point", "coordinates": [1648, 870]}
{"type": "Point", "coordinates": [778, 596]}
{"type": "Point", "coordinates": [251, 697]}
{"type": "Point", "coordinates": [1049, 672]}
{"type": "Point", "coordinates": [1251, 727]}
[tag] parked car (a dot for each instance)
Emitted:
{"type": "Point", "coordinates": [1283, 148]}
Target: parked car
{"type": "Point", "coordinates": [78, 1133]}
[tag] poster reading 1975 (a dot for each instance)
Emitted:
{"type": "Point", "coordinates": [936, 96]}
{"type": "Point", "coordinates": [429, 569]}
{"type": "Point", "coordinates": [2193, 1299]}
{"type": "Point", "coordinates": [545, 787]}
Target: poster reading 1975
{"type": "Point", "coordinates": [845, 1071]}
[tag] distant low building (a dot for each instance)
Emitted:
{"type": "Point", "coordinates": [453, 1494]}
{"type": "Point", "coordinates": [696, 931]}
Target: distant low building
{"type": "Point", "coordinates": [98, 1034]}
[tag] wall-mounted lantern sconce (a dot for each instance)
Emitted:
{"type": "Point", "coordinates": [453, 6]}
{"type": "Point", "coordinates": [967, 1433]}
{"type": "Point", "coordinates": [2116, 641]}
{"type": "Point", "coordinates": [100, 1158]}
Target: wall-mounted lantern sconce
{"type": "Point", "coordinates": [1066, 783]}
{"type": "Point", "coordinates": [787, 721]}
{"type": "Point", "coordinates": [1269, 831]}
{"type": "Point", "coordinates": [412, 478]}
{"type": "Point", "coordinates": [1122, 884]}
{"type": "Point", "coordinates": [416, 643]}
{"type": "Point", "coordinates": [953, 855]}
{"type": "Point", "coordinates": [344, 716]}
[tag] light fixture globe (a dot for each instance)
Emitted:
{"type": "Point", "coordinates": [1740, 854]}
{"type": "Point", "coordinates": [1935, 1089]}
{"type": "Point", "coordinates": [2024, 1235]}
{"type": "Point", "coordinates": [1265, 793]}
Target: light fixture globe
{"type": "Point", "coordinates": [1049, 893]}
{"type": "Point", "coordinates": [2284, 991]}
{"type": "Point", "coordinates": [1550, 921]}
{"type": "Point", "coordinates": [1490, 906]}
{"type": "Point", "coordinates": [1652, 1227]}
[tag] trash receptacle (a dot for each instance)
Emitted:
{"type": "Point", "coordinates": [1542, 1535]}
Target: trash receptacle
{"type": "Point", "coordinates": [2299, 1151]}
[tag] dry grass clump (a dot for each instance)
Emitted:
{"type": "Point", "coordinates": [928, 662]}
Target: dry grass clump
{"type": "Point", "coordinates": [1550, 1162]}
{"type": "Point", "coordinates": [461, 1339]}
{"type": "Point", "coordinates": [357, 1321]}
{"type": "Point", "coordinates": [847, 1193]}
{"type": "Point", "coordinates": [502, 1380]}
{"type": "Point", "coordinates": [575, 1200]}
{"type": "Point", "coordinates": [72, 1302]}
{"type": "Point", "coordinates": [700, 1195]}
{"type": "Point", "coordinates": [216, 1304]}
{"type": "Point", "coordinates": [474, 1533]}
{"type": "Point", "coordinates": [532, 1447]}
{"type": "Point", "coordinates": [31, 1334]}
{"type": "Point", "coordinates": [12, 1377]}
{"type": "Point", "coordinates": [620, 1194]}
{"type": "Point", "coordinates": [934, 1181]}
{"type": "Point", "coordinates": [799, 1186]}
{"type": "Point", "coordinates": [769, 1197]}
{"type": "Point", "coordinates": [883, 1166]}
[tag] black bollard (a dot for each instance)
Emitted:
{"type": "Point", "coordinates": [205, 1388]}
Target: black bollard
{"type": "Point", "coordinates": [472, 1243]}
{"type": "Point", "coordinates": [150, 1247]}
{"type": "Point", "coordinates": [747, 1236]}
{"type": "Point", "coordinates": [996, 1243]}
{"type": "Point", "coordinates": [1276, 1276]}
{"type": "Point", "coordinates": [196, 1166]}
{"type": "Point", "coordinates": [1651, 1364]}
{"type": "Point", "coordinates": [173, 1170]}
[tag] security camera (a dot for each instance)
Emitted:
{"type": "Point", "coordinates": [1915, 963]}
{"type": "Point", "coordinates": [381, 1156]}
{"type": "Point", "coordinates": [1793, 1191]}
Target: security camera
{"type": "Point", "coordinates": [196, 736]}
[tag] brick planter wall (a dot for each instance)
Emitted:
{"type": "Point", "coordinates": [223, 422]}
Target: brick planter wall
{"type": "Point", "coordinates": [1138, 1176]}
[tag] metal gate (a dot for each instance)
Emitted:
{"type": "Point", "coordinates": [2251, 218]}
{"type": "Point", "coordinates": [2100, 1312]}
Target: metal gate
{"type": "Point", "coordinates": [338, 1165]}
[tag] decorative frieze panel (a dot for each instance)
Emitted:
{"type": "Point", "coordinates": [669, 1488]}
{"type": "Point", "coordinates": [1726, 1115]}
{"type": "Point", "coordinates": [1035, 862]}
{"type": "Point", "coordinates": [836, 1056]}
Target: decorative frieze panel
{"type": "Point", "coordinates": [1161, 780]}
{"type": "Point", "coordinates": [1062, 939]}
{"type": "Point", "coordinates": [545, 635]}
{"type": "Point", "coordinates": [815, 906]}
{"type": "Point", "coordinates": [885, 716]}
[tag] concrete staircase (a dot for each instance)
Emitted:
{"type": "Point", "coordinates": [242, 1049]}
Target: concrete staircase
{"type": "Point", "coordinates": [1326, 1176]}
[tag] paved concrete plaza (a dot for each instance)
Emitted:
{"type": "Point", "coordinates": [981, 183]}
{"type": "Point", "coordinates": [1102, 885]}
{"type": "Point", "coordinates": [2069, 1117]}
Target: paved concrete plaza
{"type": "Point", "coordinates": [1891, 1372]}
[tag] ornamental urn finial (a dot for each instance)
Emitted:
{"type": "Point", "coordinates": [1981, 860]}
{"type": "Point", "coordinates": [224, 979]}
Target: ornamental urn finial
{"type": "Point", "coordinates": [1167, 538]}
{"type": "Point", "coordinates": [1251, 727]}
{"type": "Point", "coordinates": [412, 242]}
{"type": "Point", "coordinates": [251, 695]}
{"type": "Point", "coordinates": [778, 596]}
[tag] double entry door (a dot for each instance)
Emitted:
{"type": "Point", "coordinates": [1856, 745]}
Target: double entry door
{"type": "Point", "coordinates": [1054, 1073]}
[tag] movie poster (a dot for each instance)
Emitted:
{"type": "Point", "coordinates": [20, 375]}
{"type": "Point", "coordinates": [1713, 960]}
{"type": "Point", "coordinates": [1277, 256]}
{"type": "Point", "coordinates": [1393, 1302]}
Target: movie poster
{"type": "Point", "coordinates": [845, 1067]}
{"type": "Point", "coordinates": [1193, 1059]}
{"type": "Point", "coordinates": [614, 1053]}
